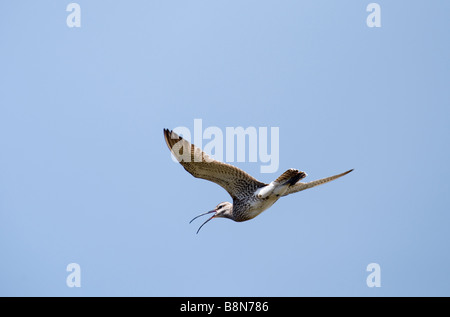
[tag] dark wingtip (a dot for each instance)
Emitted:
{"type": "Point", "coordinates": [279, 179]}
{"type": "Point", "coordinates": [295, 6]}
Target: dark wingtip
{"type": "Point", "coordinates": [165, 132]}
{"type": "Point", "coordinates": [349, 171]}
{"type": "Point", "coordinates": [170, 137]}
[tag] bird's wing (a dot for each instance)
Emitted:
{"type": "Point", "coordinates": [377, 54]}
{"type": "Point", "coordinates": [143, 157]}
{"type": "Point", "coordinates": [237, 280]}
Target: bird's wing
{"type": "Point", "coordinates": [302, 186]}
{"type": "Point", "coordinates": [235, 181]}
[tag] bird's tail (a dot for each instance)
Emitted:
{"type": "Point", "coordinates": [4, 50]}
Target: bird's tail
{"type": "Point", "coordinates": [302, 186]}
{"type": "Point", "coordinates": [290, 177]}
{"type": "Point", "coordinates": [286, 180]}
{"type": "Point", "coordinates": [281, 184]}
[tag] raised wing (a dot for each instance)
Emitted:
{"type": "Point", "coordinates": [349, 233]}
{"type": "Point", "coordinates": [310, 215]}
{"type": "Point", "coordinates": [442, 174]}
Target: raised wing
{"type": "Point", "coordinates": [235, 181]}
{"type": "Point", "coordinates": [302, 186]}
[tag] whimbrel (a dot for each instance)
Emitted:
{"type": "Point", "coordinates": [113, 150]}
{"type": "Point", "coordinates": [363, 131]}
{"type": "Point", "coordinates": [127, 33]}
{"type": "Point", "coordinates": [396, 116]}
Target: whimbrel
{"type": "Point", "coordinates": [250, 196]}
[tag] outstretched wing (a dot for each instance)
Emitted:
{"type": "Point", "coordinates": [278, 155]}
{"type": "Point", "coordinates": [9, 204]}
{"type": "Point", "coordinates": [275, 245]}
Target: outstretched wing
{"type": "Point", "coordinates": [235, 181]}
{"type": "Point", "coordinates": [302, 186]}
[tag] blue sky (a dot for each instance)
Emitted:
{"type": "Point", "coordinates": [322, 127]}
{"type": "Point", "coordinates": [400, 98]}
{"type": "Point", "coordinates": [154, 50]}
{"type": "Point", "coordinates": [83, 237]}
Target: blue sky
{"type": "Point", "coordinates": [85, 175]}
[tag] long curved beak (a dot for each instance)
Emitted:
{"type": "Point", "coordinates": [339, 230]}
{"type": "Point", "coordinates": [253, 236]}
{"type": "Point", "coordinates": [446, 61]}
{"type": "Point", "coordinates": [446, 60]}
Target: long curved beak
{"type": "Point", "coordinates": [209, 212]}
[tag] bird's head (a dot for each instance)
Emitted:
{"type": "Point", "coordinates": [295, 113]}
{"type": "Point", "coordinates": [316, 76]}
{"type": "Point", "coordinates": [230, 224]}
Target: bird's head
{"type": "Point", "coordinates": [222, 210]}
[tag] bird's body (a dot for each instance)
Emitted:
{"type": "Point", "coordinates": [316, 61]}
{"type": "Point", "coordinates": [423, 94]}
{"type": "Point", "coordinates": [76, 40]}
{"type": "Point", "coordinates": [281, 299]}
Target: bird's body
{"type": "Point", "coordinates": [254, 208]}
{"type": "Point", "coordinates": [264, 197]}
{"type": "Point", "coordinates": [250, 196]}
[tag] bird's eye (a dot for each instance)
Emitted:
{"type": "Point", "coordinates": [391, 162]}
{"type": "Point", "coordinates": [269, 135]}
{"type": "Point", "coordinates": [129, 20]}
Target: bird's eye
{"type": "Point", "coordinates": [220, 207]}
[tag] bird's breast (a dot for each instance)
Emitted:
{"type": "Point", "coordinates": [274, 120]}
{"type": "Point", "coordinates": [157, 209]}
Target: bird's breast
{"type": "Point", "coordinates": [257, 206]}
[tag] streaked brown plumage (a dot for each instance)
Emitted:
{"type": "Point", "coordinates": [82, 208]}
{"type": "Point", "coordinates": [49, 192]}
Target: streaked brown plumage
{"type": "Point", "coordinates": [250, 196]}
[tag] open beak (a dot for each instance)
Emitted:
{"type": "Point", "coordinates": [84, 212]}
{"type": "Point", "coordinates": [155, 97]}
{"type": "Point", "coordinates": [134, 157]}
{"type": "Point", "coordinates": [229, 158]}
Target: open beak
{"type": "Point", "coordinates": [209, 212]}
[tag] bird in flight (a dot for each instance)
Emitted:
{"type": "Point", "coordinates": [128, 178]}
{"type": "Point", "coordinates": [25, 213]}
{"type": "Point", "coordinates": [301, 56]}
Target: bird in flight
{"type": "Point", "coordinates": [250, 196]}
